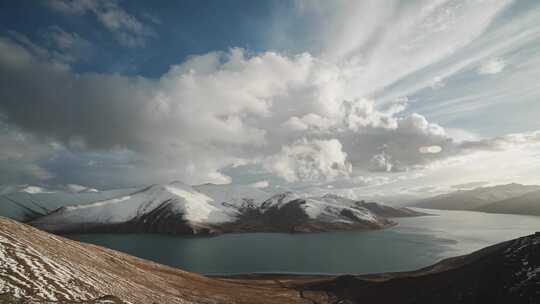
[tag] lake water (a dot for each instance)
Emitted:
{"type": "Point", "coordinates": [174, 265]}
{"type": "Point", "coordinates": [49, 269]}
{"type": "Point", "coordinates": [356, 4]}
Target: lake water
{"type": "Point", "coordinates": [413, 243]}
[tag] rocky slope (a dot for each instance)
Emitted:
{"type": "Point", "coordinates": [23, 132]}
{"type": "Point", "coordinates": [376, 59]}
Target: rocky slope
{"type": "Point", "coordinates": [176, 208]}
{"type": "Point", "coordinates": [37, 267]}
{"type": "Point", "coordinates": [480, 199]}
{"type": "Point", "coordinates": [508, 272]}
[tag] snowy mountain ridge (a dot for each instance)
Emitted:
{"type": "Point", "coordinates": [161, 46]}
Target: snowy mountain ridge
{"type": "Point", "coordinates": [27, 202]}
{"type": "Point", "coordinates": [177, 208]}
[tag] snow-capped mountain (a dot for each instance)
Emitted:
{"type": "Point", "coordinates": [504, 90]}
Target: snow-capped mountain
{"type": "Point", "coordinates": [291, 212]}
{"type": "Point", "coordinates": [35, 189]}
{"type": "Point", "coordinates": [331, 209]}
{"type": "Point", "coordinates": [233, 199]}
{"type": "Point", "coordinates": [27, 202]}
{"type": "Point", "coordinates": [177, 208]}
{"type": "Point", "coordinates": [378, 209]}
{"type": "Point", "coordinates": [32, 189]}
{"type": "Point", "coordinates": [170, 208]}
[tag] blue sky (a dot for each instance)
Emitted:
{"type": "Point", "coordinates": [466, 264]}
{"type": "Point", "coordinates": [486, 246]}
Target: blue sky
{"type": "Point", "coordinates": [182, 29]}
{"type": "Point", "coordinates": [361, 98]}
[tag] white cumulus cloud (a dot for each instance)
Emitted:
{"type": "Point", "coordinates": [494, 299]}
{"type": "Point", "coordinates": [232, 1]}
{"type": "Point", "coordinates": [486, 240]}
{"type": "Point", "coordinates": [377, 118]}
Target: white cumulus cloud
{"type": "Point", "coordinates": [261, 184]}
{"type": "Point", "coordinates": [310, 161]}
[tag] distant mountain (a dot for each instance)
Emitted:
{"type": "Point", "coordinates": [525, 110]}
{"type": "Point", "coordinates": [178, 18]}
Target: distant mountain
{"type": "Point", "coordinates": [37, 267]}
{"type": "Point", "coordinates": [7, 189]}
{"type": "Point", "coordinates": [34, 189]}
{"type": "Point", "coordinates": [176, 208]}
{"type": "Point", "coordinates": [479, 199]}
{"type": "Point", "coordinates": [528, 204]}
{"type": "Point", "coordinates": [26, 202]}
{"type": "Point", "coordinates": [237, 195]}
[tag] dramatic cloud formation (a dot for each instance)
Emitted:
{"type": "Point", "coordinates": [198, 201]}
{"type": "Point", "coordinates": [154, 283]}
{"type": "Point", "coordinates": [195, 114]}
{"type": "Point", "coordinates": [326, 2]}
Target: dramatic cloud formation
{"type": "Point", "coordinates": [387, 40]}
{"type": "Point", "coordinates": [310, 161]}
{"type": "Point", "coordinates": [504, 142]}
{"type": "Point", "coordinates": [18, 157]}
{"type": "Point", "coordinates": [356, 111]}
{"type": "Point", "coordinates": [213, 111]}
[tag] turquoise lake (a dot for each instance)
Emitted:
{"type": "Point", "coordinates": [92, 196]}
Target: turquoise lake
{"type": "Point", "coordinates": [413, 243]}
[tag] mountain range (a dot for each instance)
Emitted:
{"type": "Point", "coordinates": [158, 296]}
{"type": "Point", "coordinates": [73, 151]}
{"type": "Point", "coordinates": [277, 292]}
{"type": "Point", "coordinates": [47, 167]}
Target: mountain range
{"type": "Point", "coordinates": [510, 198]}
{"type": "Point", "coordinates": [177, 208]}
{"type": "Point", "coordinates": [38, 267]}
{"type": "Point", "coordinates": [26, 202]}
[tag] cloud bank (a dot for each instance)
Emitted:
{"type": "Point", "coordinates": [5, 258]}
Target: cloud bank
{"type": "Point", "coordinates": [287, 114]}
{"type": "Point", "coordinates": [339, 117]}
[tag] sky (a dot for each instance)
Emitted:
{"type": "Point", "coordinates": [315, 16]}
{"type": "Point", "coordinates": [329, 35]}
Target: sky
{"type": "Point", "coordinates": [389, 99]}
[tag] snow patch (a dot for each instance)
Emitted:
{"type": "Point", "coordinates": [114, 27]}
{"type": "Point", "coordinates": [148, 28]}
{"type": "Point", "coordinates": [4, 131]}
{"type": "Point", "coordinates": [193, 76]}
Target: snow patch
{"type": "Point", "coordinates": [196, 206]}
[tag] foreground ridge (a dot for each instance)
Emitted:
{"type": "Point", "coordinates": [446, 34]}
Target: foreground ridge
{"type": "Point", "coordinates": [508, 272]}
{"type": "Point", "coordinates": [38, 267]}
